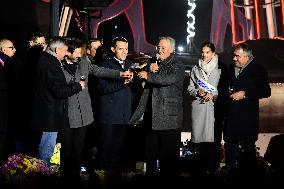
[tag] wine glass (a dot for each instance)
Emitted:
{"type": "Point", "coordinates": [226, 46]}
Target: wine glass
{"type": "Point", "coordinates": [82, 78]}
{"type": "Point", "coordinates": [202, 101]}
{"type": "Point", "coordinates": [231, 89]}
{"type": "Point", "coordinates": [135, 68]}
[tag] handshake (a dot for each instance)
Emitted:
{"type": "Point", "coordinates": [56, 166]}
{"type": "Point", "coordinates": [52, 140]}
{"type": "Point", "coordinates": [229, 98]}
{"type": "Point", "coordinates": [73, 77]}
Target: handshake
{"type": "Point", "coordinates": [132, 72]}
{"type": "Point", "coordinates": [140, 70]}
{"type": "Point", "coordinates": [126, 74]}
{"type": "Point", "coordinates": [136, 68]}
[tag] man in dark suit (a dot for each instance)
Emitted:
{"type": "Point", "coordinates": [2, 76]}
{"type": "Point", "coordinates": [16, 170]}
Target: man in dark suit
{"type": "Point", "coordinates": [114, 106]}
{"type": "Point", "coordinates": [7, 51]}
{"type": "Point", "coordinates": [161, 103]}
{"type": "Point", "coordinates": [248, 83]}
{"type": "Point", "coordinates": [51, 92]}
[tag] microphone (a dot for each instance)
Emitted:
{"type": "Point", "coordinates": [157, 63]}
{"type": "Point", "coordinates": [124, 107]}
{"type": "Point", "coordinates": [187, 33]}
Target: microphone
{"type": "Point", "coordinates": [157, 56]}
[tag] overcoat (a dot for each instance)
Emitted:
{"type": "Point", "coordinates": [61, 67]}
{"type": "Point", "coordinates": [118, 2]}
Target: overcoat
{"type": "Point", "coordinates": [115, 97]}
{"type": "Point", "coordinates": [164, 92]}
{"type": "Point", "coordinates": [79, 105]}
{"type": "Point", "coordinates": [4, 93]}
{"type": "Point", "coordinates": [242, 122]}
{"type": "Point", "coordinates": [51, 92]}
{"type": "Point", "coordinates": [202, 113]}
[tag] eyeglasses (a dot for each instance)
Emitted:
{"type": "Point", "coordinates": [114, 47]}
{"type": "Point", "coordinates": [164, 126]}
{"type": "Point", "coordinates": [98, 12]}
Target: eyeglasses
{"type": "Point", "coordinates": [12, 47]}
{"type": "Point", "coordinates": [43, 43]}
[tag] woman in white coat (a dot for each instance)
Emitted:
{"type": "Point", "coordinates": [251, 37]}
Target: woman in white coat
{"type": "Point", "coordinates": [203, 87]}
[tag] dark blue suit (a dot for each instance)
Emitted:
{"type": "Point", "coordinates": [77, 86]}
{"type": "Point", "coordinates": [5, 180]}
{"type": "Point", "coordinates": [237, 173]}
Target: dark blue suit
{"type": "Point", "coordinates": [115, 97]}
{"type": "Point", "coordinates": [114, 113]}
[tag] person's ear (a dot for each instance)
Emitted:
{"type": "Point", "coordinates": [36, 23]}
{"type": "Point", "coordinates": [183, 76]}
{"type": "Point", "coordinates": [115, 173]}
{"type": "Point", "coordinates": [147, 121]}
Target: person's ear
{"type": "Point", "coordinates": [31, 43]}
{"type": "Point", "coordinates": [112, 49]}
{"type": "Point", "coordinates": [4, 49]}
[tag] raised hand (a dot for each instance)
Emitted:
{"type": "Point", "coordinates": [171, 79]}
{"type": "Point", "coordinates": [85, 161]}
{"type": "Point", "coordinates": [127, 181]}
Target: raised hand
{"type": "Point", "coordinates": [154, 67]}
{"type": "Point", "coordinates": [83, 84]}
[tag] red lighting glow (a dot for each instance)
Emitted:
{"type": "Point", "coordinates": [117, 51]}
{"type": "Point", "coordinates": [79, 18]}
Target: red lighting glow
{"type": "Point", "coordinates": [233, 21]}
{"type": "Point", "coordinates": [282, 10]}
{"type": "Point", "coordinates": [280, 38]}
{"type": "Point", "coordinates": [257, 22]}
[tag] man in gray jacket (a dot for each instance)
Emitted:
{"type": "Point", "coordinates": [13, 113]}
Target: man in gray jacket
{"type": "Point", "coordinates": [161, 103]}
{"type": "Point", "coordinates": [80, 112]}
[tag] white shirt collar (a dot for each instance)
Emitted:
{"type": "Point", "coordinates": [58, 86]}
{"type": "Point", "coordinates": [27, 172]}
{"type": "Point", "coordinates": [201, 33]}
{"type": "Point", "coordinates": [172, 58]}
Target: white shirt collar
{"type": "Point", "coordinates": [119, 61]}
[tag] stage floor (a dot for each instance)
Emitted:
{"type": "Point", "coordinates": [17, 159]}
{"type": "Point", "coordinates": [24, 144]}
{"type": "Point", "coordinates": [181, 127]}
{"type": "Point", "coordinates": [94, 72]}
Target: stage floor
{"type": "Point", "coordinates": [261, 143]}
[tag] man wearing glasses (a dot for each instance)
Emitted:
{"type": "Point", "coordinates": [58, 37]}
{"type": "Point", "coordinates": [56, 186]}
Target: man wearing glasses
{"type": "Point", "coordinates": [7, 50]}
{"type": "Point", "coordinates": [7, 47]}
{"type": "Point", "coordinates": [38, 38]}
{"type": "Point", "coordinates": [37, 45]}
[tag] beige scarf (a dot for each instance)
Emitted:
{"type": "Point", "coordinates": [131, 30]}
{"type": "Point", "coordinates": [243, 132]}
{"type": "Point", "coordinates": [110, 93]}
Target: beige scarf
{"type": "Point", "coordinates": [207, 67]}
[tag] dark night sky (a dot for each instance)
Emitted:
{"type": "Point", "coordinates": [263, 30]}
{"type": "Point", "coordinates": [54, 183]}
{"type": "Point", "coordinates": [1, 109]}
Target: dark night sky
{"type": "Point", "coordinates": [162, 17]}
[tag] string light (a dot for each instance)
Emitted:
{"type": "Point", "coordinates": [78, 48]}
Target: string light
{"type": "Point", "coordinates": [191, 20]}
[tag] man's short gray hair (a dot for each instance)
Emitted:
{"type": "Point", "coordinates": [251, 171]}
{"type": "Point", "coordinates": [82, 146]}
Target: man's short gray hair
{"type": "Point", "coordinates": [245, 47]}
{"type": "Point", "coordinates": [56, 42]}
{"type": "Point", "coordinates": [3, 43]}
{"type": "Point", "coordinates": [170, 39]}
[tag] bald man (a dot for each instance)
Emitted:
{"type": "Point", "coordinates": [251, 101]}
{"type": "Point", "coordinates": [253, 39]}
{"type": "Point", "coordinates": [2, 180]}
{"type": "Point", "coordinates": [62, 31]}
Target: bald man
{"type": "Point", "coordinates": [7, 47]}
{"type": "Point", "coordinates": [7, 50]}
